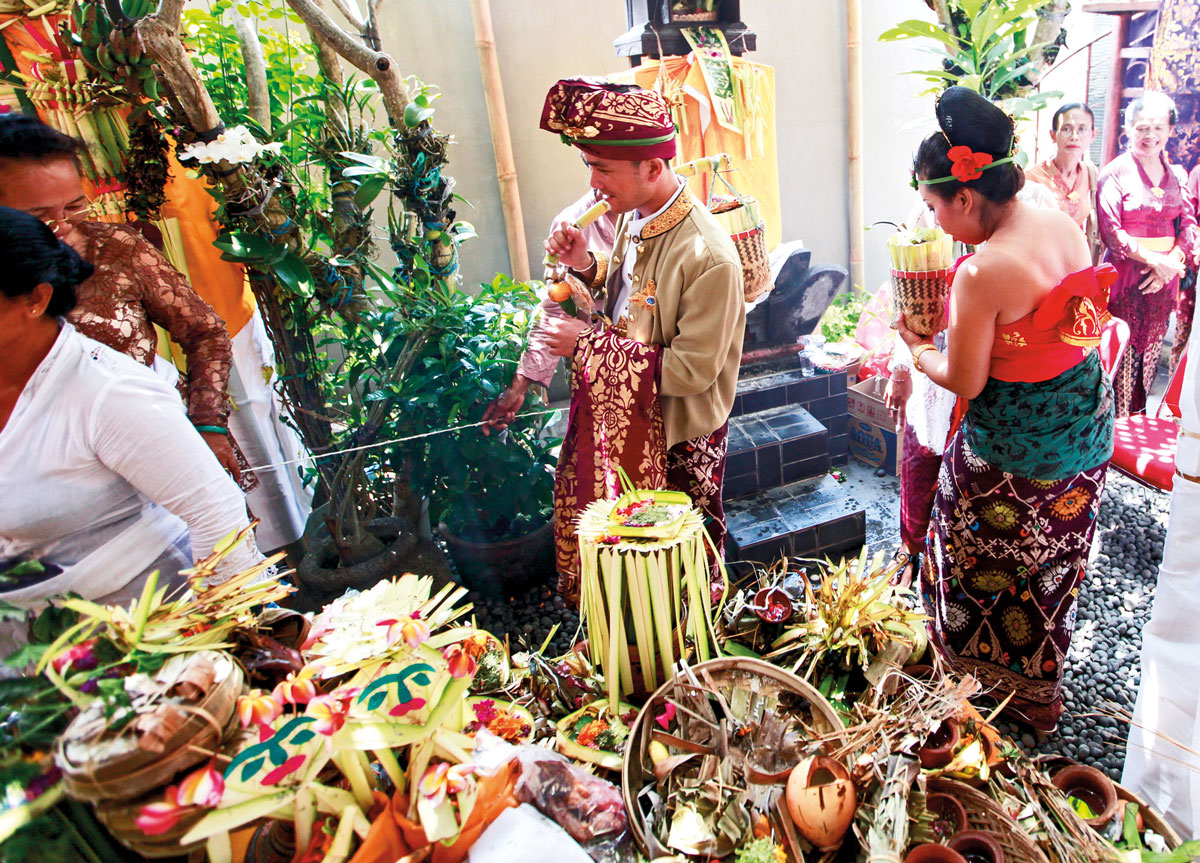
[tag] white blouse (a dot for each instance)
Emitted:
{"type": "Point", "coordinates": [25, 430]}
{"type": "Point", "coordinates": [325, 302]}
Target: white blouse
{"type": "Point", "coordinates": [101, 472]}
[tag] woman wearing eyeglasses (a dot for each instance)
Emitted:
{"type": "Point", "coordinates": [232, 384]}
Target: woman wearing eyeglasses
{"type": "Point", "coordinates": [133, 288]}
{"type": "Point", "coordinates": [1069, 174]}
{"type": "Point", "coordinates": [1149, 233]}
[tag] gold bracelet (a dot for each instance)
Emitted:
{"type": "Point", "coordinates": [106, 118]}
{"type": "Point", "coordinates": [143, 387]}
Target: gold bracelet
{"type": "Point", "coordinates": [918, 352]}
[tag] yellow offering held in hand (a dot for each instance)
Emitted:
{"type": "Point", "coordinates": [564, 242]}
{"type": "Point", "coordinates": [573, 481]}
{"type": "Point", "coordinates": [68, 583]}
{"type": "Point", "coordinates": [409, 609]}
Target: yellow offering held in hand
{"type": "Point", "coordinates": [920, 250]}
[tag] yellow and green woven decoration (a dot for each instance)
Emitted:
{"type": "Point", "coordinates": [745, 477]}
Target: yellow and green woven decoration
{"type": "Point", "coordinates": [649, 594]}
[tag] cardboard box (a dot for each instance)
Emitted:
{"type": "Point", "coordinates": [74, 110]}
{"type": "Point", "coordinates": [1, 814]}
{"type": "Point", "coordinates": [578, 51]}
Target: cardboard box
{"type": "Point", "coordinates": [872, 434]}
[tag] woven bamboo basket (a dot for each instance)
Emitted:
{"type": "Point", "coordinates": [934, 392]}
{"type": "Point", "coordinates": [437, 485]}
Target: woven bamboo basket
{"type": "Point", "coordinates": [725, 674]}
{"type": "Point", "coordinates": [921, 297]}
{"type": "Point", "coordinates": [985, 814]}
{"type": "Point", "coordinates": [121, 820]}
{"type": "Point", "coordinates": [756, 267]}
{"type": "Point", "coordinates": [739, 216]}
{"type": "Point", "coordinates": [99, 763]}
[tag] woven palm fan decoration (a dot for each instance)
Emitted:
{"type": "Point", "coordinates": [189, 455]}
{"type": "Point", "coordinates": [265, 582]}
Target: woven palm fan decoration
{"type": "Point", "coordinates": [739, 216]}
{"type": "Point", "coordinates": [921, 259]}
{"type": "Point", "coordinates": [645, 593]}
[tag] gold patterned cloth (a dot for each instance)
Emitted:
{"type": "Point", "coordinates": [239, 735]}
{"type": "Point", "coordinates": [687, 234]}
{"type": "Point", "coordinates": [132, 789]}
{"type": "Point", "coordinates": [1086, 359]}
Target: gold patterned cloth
{"type": "Point", "coordinates": [610, 121]}
{"type": "Point", "coordinates": [615, 422]}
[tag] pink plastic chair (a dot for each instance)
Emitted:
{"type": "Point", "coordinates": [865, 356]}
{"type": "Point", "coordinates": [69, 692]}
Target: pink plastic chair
{"type": "Point", "coordinates": [1143, 446]}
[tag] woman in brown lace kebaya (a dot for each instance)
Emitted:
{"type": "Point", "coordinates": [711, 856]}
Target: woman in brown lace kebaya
{"type": "Point", "coordinates": [134, 287]}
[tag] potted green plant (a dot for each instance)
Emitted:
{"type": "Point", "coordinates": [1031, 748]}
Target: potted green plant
{"type": "Point", "coordinates": [491, 495]}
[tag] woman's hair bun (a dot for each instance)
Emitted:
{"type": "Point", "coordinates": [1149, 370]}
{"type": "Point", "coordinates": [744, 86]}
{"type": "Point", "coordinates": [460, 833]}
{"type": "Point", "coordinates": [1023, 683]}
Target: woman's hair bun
{"type": "Point", "coordinates": [968, 119]}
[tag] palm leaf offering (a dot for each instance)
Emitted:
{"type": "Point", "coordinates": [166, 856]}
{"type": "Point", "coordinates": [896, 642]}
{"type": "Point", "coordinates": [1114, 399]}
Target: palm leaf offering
{"type": "Point", "coordinates": [920, 250]}
{"type": "Point", "coordinates": [644, 599]}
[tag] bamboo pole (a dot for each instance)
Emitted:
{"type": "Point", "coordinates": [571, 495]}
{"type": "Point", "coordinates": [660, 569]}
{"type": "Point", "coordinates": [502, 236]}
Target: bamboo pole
{"type": "Point", "coordinates": [854, 110]}
{"type": "Point", "coordinates": [506, 171]}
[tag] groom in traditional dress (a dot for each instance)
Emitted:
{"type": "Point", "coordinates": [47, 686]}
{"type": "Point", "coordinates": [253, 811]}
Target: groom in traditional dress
{"type": "Point", "coordinates": [657, 342]}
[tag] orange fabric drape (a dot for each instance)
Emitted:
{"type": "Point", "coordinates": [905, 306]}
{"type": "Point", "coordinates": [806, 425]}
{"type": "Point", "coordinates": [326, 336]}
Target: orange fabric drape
{"type": "Point", "coordinates": [393, 835]}
{"type": "Point", "coordinates": [755, 168]}
{"type": "Point", "coordinates": [222, 284]}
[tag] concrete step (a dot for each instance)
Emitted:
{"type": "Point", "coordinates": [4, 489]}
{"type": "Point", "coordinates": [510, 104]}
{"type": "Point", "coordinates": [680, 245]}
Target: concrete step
{"type": "Point", "coordinates": [816, 517]}
{"type": "Point", "coordinates": [772, 448]}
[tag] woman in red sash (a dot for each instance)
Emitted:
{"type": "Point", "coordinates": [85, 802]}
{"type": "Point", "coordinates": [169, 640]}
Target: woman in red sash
{"type": "Point", "coordinates": [1021, 478]}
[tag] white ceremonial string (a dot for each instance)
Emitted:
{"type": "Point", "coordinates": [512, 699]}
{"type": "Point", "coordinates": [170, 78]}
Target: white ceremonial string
{"type": "Point", "coordinates": [314, 457]}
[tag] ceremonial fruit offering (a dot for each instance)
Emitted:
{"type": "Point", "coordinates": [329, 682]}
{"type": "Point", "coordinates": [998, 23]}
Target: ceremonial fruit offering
{"type": "Point", "coordinates": [821, 800]}
{"type": "Point", "coordinates": [649, 514]}
{"type": "Point", "coordinates": [921, 259]}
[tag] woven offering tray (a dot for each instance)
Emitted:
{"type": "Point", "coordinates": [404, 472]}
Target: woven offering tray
{"type": "Point", "coordinates": [183, 713]}
{"type": "Point", "coordinates": [765, 709]}
{"type": "Point", "coordinates": [985, 814]}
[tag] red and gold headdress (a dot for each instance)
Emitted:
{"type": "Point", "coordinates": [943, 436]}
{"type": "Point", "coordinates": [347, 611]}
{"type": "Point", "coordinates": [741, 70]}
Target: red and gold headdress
{"type": "Point", "coordinates": [610, 121]}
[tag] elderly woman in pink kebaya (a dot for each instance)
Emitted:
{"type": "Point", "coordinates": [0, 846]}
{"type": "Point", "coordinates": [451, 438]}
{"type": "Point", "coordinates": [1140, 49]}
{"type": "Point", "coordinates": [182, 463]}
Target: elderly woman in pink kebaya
{"type": "Point", "coordinates": [1149, 233]}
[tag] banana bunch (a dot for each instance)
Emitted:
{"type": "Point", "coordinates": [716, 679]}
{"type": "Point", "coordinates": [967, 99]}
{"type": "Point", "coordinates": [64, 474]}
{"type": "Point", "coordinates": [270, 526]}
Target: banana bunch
{"type": "Point", "coordinates": [114, 51]}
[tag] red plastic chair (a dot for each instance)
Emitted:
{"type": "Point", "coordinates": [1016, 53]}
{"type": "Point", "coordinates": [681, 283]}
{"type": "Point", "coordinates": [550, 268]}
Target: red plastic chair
{"type": "Point", "coordinates": [1113, 340]}
{"type": "Point", "coordinates": [1144, 446]}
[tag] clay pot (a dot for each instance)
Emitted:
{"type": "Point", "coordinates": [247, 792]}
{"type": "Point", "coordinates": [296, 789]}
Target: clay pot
{"type": "Point", "coordinates": [821, 800]}
{"type": "Point", "coordinates": [949, 816]}
{"type": "Point", "coordinates": [773, 605]}
{"type": "Point", "coordinates": [931, 853]}
{"type": "Point", "coordinates": [273, 842]}
{"type": "Point", "coordinates": [938, 750]}
{"type": "Point", "coordinates": [976, 846]}
{"type": "Point", "coordinates": [1093, 788]}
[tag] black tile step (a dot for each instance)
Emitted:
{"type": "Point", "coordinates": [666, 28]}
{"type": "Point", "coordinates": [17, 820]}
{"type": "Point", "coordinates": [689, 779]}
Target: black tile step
{"type": "Point", "coordinates": [772, 448]}
{"type": "Point", "coordinates": [822, 394]}
{"type": "Point", "coordinates": [816, 517]}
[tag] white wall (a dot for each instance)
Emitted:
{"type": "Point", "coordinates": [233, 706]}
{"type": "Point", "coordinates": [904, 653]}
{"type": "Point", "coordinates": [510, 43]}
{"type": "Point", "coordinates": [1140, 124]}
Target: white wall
{"type": "Point", "coordinates": [539, 41]}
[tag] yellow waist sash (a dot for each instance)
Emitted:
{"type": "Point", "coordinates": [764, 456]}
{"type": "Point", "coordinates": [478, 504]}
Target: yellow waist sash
{"type": "Point", "coordinates": [1162, 245]}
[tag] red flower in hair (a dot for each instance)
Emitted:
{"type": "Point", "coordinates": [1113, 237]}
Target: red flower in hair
{"type": "Point", "coordinates": [967, 164]}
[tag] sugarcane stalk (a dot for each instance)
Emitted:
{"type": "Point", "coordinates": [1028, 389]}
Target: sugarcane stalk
{"type": "Point", "coordinates": [593, 213]}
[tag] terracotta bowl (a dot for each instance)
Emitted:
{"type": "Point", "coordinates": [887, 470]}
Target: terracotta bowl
{"type": "Point", "coordinates": [931, 853]}
{"type": "Point", "coordinates": [976, 846]}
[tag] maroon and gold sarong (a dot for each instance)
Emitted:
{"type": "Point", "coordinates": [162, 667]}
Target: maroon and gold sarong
{"type": "Point", "coordinates": [615, 421]}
